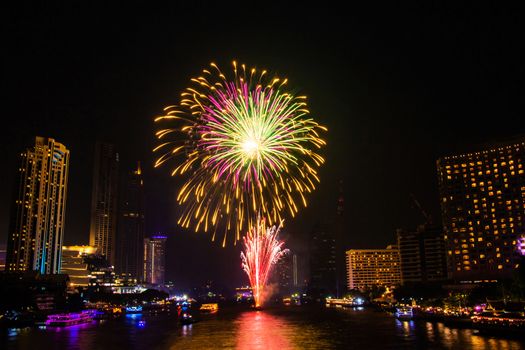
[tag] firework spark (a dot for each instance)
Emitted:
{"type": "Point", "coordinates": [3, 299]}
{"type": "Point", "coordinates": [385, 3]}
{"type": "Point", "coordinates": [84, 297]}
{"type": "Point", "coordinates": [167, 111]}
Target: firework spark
{"type": "Point", "coordinates": [242, 143]}
{"type": "Point", "coordinates": [262, 249]}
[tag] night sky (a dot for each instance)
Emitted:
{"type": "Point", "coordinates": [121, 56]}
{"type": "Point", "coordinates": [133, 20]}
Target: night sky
{"type": "Point", "coordinates": [397, 87]}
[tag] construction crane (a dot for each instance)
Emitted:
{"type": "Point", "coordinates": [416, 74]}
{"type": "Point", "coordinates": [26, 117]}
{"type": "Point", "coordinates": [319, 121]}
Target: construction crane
{"type": "Point", "coordinates": [428, 218]}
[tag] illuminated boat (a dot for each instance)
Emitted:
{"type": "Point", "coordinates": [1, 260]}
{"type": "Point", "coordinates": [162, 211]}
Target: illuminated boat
{"type": "Point", "coordinates": [186, 318]}
{"type": "Point", "coordinates": [209, 308]}
{"type": "Point", "coordinates": [404, 313]}
{"type": "Point", "coordinates": [70, 319]}
{"type": "Point", "coordinates": [133, 309]}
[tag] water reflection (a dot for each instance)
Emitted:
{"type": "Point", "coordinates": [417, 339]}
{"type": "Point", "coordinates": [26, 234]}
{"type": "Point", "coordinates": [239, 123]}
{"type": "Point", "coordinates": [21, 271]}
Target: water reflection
{"type": "Point", "coordinates": [260, 330]}
{"type": "Point", "coordinates": [186, 330]}
{"type": "Point", "coordinates": [428, 334]}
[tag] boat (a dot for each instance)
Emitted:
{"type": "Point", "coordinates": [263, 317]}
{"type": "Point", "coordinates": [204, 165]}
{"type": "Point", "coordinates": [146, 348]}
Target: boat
{"type": "Point", "coordinates": [404, 313]}
{"type": "Point", "coordinates": [209, 308]}
{"type": "Point", "coordinates": [133, 309]}
{"type": "Point", "coordinates": [70, 319]}
{"type": "Point", "coordinates": [186, 318]}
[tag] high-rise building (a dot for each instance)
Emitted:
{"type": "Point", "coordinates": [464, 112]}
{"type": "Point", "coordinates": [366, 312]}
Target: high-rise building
{"type": "Point", "coordinates": [130, 247]}
{"type": "Point", "coordinates": [483, 208]}
{"type": "Point", "coordinates": [284, 273]}
{"type": "Point", "coordinates": [422, 254]}
{"type": "Point", "coordinates": [75, 266]}
{"type": "Point", "coordinates": [37, 220]}
{"type": "Point", "coordinates": [322, 260]}
{"type": "Point", "coordinates": [103, 227]}
{"type": "Point", "coordinates": [155, 259]}
{"type": "Point", "coordinates": [3, 250]}
{"type": "Point", "coordinates": [367, 268]}
{"type": "Point", "coordinates": [295, 280]}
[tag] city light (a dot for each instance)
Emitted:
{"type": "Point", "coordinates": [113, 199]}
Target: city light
{"type": "Point", "coordinates": [521, 245]}
{"type": "Point", "coordinates": [134, 309]}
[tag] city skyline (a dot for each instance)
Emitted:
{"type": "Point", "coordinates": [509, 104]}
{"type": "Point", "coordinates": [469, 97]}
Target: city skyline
{"type": "Point", "coordinates": [383, 89]}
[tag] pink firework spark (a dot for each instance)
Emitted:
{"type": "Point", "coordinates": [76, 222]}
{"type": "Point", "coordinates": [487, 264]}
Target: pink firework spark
{"type": "Point", "coordinates": [262, 250]}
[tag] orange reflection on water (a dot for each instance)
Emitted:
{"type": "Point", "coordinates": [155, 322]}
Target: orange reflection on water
{"type": "Point", "coordinates": [259, 330]}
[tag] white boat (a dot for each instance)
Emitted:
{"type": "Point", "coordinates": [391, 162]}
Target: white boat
{"type": "Point", "coordinates": [404, 313]}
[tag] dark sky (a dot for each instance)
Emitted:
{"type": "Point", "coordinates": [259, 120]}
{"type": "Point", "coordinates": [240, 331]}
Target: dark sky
{"type": "Point", "coordinates": [397, 87]}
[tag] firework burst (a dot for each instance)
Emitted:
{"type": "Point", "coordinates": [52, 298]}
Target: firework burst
{"type": "Point", "coordinates": [242, 143]}
{"type": "Point", "coordinates": [262, 250]}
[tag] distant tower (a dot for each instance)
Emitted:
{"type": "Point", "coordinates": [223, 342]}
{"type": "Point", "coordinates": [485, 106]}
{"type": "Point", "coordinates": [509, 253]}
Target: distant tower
{"type": "Point", "coordinates": [340, 200]}
{"type": "Point", "coordinates": [294, 271]}
{"type": "Point", "coordinates": [102, 233]}
{"type": "Point", "coordinates": [340, 241]}
{"type": "Point", "coordinates": [130, 247]}
{"type": "Point", "coordinates": [155, 259]}
{"type": "Point", "coordinates": [36, 229]}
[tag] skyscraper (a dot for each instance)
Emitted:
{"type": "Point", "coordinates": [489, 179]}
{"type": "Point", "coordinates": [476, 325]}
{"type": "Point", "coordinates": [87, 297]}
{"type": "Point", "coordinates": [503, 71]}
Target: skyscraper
{"type": "Point", "coordinates": [102, 232]}
{"type": "Point", "coordinates": [37, 221]}
{"type": "Point", "coordinates": [284, 272]}
{"type": "Point", "coordinates": [130, 247]}
{"type": "Point", "coordinates": [423, 254]}
{"type": "Point", "coordinates": [482, 203]}
{"type": "Point", "coordinates": [155, 259]}
{"type": "Point", "coordinates": [323, 260]}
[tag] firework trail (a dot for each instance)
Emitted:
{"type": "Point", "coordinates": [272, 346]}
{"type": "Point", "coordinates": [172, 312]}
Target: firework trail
{"type": "Point", "coordinates": [243, 144]}
{"type": "Point", "coordinates": [262, 250]}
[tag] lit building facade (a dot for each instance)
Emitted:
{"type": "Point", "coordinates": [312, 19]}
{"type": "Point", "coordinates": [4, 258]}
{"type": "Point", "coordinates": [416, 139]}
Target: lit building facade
{"type": "Point", "coordinates": [75, 266]}
{"type": "Point", "coordinates": [36, 228]}
{"type": "Point", "coordinates": [422, 254]}
{"type": "Point", "coordinates": [130, 237]}
{"type": "Point", "coordinates": [155, 259]}
{"type": "Point", "coordinates": [483, 208]}
{"type": "Point", "coordinates": [101, 274]}
{"type": "Point", "coordinates": [373, 267]}
{"type": "Point", "coordinates": [3, 251]}
{"type": "Point", "coordinates": [102, 233]}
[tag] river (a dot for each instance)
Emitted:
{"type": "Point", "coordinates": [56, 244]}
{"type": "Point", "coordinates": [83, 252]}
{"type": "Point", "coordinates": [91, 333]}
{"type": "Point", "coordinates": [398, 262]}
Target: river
{"type": "Point", "coordinates": [282, 328]}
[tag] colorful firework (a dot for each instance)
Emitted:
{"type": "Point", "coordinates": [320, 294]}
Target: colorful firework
{"type": "Point", "coordinates": [243, 143]}
{"type": "Point", "coordinates": [262, 250]}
